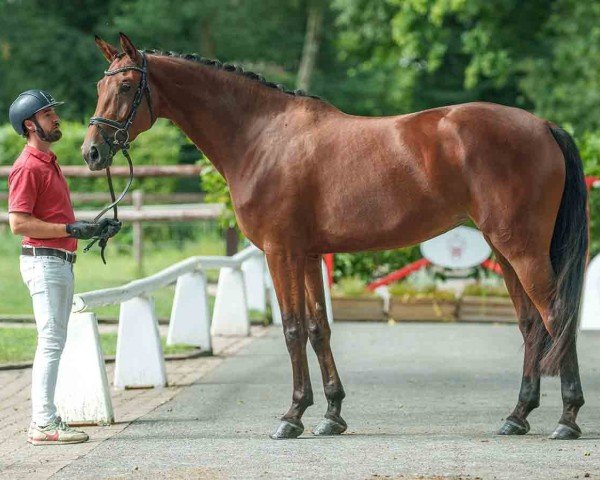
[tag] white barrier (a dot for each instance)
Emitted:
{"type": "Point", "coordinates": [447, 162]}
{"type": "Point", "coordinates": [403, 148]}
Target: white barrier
{"type": "Point", "coordinates": [190, 317]}
{"type": "Point", "coordinates": [590, 308]}
{"type": "Point", "coordinates": [254, 278]}
{"type": "Point", "coordinates": [244, 283]}
{"type": "Point", "coordinates": [139, 361]}
{"type": "Point", "coordinates": [230, 315]}
{"type": "Point", "coordinates": [82, 394]}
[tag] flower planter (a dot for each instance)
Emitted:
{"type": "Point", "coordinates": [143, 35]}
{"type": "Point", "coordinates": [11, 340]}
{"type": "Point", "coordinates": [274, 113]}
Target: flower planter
{"type": "Point", "coordinates": [358, 309]}
{"type": "Point", "coordinates": [486, 309]}
{"type": "Point", "coordinates": [422, 309]}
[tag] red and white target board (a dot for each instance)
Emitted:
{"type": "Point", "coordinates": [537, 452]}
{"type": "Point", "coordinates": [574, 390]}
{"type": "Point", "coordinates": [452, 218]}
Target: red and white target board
{"type": "Point", "coordinates": [461, 247]}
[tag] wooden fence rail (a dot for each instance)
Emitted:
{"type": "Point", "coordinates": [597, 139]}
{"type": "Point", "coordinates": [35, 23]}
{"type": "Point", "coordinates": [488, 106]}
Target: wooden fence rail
{"type": "Point", "coordinates": [188, 206]}
{"type": "Point", "coordinates": [154, 213]}
{"type": "Point", "coordinates": [150, 198]}
{"type": "Point", "coordinates": [141, 171]}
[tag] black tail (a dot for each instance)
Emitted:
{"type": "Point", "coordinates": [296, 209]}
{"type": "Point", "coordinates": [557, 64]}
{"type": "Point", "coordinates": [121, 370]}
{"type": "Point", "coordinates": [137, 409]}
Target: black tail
{"type": "Point", "coordinates": [568, 253]}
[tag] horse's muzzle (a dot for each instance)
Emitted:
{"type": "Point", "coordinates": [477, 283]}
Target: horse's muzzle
{"type": "Point", "coordinates": [97, 156]}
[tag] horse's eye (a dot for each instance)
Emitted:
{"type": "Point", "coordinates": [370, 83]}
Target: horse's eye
{"type": "Point", "coordinates": [124, 88]}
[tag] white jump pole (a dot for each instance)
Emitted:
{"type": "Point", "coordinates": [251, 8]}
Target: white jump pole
{"type": "Point", "coordinates": [82, 394]}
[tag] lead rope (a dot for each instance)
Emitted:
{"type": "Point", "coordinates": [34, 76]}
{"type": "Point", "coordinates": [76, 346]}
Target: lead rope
{"type": "Point", "coordinates": [103, 237]}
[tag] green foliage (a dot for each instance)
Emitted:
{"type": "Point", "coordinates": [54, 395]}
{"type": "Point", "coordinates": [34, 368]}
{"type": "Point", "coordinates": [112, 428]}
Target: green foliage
{"type": "Point", "coordinates": [562, 80]}
{"type": "Point", "coordinates": [50, 47]}
{"type": "Point", "coordinates": [270, 31]}
{"type": "Point", "coordinates": [161, 145]}
{"type": "Point", "coordinates": [589, 147]}
{"type": "Point", "coordinates": [482, 290]}
{"type": "Point", "coordinates": [375, 58]}
{"type": "Point", "coordinates": [217, 191]}
{"type": "Point", "coordinates": [62, 57]}
{"type": "Point", "coordinates": [436, 52]}
{"type": "Point", "coordinates": [351, 287]}
{"type": "Point", "coordinates": [407, 291]}
{"type": "Point", "coordinates": [92, 274]}
{"type": "Point", "coordinates": [18, 345]}
{"type": "Point", "coordinates": [369, 265]}
{"type": "Point", "coordinates": [158, 146]}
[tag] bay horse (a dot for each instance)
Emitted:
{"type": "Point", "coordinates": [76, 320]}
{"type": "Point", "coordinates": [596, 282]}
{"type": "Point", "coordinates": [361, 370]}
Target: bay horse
{"type": "Point", "coordinates": [307, 179]}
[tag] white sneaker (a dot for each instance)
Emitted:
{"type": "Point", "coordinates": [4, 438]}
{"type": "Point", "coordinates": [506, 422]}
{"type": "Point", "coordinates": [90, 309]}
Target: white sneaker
{"type": "Point", "coordinates": [56, 433]}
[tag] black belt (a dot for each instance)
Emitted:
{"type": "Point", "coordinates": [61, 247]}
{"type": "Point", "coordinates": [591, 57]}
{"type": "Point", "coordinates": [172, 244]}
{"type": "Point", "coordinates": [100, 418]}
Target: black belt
{"type": "Point", "coordinates": [48, 252]}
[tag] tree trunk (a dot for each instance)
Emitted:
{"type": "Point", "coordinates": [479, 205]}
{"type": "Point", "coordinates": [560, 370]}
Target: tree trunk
{"type": "Point", "coordinates": [314, 25]}
{"type": "Point", "coordinates": [231, 241]}
{"type": "Point", "coordinates": [207, 45]}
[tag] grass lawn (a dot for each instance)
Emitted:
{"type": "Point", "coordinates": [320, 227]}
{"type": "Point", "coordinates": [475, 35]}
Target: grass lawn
{"type": "Point", "coordinates": [92, 274]}
{"type": "Point", "coordinates": [18, 345]}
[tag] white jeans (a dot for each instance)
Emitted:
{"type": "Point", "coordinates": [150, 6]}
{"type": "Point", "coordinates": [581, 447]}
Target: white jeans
{"type": "Point", "coordinates": [50, 284]}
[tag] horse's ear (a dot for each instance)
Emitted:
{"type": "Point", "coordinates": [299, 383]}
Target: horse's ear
{"type": "Point", "coordinates": [109, 52]}
{"type": "Point", "coordinates": [129, 48]}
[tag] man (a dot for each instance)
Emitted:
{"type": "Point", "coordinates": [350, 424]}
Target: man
{"type": "Point", "coordinates": [40, 210]}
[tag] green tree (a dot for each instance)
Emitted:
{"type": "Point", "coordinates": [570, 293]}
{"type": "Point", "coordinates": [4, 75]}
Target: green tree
{"type": "Point", "coordinates": [48, 45]}
{"type": "Point", "coordinates": [564, 84]}
{"type": "Point", "coordinates": [437, 52]}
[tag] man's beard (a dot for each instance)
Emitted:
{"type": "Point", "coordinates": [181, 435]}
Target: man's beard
{"type": "Point", "coordinates": [50, 137]}
{"type": "Point", "coordinates": [53, 136]}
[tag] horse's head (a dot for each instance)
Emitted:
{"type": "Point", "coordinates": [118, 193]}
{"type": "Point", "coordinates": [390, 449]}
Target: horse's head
{"type": "Point", "coordinates": [124, 107]}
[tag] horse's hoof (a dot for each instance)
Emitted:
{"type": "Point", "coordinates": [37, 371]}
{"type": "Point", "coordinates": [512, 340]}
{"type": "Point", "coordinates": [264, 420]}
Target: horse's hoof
{"type": "Point", "coordinates": [287, 430]}
{"type": "Point", "coordinates": [566, 432]}
{"type": "Point", "coordinates": [330, 427]}
{"type": "Point", "coordinates": [512, 426]}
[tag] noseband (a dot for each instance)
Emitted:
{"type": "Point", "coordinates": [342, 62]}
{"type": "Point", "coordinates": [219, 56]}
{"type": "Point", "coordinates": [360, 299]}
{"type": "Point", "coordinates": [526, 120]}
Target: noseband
{"type": "Point", "coordinates": [120, 140]}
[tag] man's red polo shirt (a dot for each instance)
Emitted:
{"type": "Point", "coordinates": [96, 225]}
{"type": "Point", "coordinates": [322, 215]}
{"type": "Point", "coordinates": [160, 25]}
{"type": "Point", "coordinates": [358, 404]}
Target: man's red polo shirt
{"type": "Point", "coordinates": [37, 186]}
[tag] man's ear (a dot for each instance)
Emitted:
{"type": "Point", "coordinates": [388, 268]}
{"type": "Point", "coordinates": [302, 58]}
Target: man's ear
{"type": "Point", "coordinates": [129, 48]}
{"type": "Point", "coordinates": [109, 52]}
{"type": "Point", "coordinates": [29, 125]}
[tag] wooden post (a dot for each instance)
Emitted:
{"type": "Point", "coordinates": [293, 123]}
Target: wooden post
{"type": "Point", "coordinates": [231, 241]}
{"type": "Point", "coordinates": [138, 241]}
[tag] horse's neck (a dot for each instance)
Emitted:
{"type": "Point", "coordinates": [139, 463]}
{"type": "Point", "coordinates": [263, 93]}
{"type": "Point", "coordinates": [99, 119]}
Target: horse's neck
{"type": "Point", "coordinates": [216, 109]}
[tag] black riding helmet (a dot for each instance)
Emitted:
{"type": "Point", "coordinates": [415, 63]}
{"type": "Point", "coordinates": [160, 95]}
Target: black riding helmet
{"type": "Point", "coordinates": [27, 105]}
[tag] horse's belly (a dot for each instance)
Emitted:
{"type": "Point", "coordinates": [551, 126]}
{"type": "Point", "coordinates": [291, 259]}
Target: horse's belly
{"type": "Point", "coordinates": [380, 226]}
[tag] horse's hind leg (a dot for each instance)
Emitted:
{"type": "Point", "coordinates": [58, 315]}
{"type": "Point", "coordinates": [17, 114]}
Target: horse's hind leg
{"type": "Point", "coordinates": [572, 396]}
{"type": "Point", "coordinates": [319, 334]}
{"type": "Point", "coordinates": [537, 277]}
{"type": "Point", "coordinates": [530, 324]}
{"type": "Point", "coordinates": [288, 279]}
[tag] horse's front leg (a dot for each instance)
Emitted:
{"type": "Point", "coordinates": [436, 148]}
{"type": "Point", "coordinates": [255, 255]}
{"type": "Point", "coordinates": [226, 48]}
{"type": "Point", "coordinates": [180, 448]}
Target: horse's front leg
{"type": "Point", "coordinates": [288, 279]}
{"type": "Point", "coordinates": [319, 334]}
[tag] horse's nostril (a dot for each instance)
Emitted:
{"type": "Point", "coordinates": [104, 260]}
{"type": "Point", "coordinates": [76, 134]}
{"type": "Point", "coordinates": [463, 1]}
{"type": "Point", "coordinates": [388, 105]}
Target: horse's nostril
{"type": "Point", "coordinates": [94, 154]}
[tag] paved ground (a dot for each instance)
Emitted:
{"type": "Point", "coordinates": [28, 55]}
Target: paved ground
{"type": "Point", "coordinates": [19, 460]}
{"type": "Point", "coordinates": [423, 401]}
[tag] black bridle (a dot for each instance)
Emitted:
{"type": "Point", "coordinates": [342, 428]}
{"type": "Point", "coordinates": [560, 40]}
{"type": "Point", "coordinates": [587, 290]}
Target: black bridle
{"type": "Point", "coordinates": [120, 140]}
